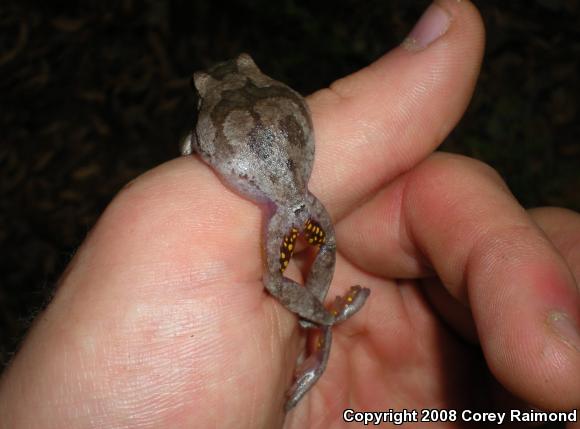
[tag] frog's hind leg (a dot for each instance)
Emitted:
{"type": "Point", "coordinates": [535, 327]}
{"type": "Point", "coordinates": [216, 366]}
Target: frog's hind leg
{"type": "Point", "coordinates": [319, 231]}
{"type": "Point", "coordinates": [308, 373]}
{"type": "Point", "coordinates": [281, 234]}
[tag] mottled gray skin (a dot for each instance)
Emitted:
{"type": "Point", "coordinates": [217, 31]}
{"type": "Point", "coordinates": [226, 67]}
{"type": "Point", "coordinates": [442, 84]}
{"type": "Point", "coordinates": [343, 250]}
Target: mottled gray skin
{"type": "Point", "coordinates": [256, 133]}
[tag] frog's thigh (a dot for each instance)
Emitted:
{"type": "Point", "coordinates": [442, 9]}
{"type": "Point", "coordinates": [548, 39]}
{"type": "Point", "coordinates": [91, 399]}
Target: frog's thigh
{"type": "Point", "coordinates": [319, 231]}
{"type": "Point", "coordinates": [300, 300]}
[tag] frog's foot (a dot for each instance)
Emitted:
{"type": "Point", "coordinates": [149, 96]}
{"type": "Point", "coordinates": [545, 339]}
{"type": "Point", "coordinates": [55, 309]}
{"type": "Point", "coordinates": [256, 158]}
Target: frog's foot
{"type": "Point", "coordinates": [343, 307]}
{"type": "Point", "coordinates": [308, 373]}
{"type": "Point", "coordinates": [346, 306]}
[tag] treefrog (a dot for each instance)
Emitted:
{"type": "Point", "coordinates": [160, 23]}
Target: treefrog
{"type": "Point", "coordinates": [256, 133]}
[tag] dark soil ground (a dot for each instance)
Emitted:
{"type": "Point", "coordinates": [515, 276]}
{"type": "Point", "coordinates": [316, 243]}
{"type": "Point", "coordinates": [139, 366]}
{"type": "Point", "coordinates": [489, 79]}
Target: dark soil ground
{"type": "Point", "coordinates": [94, 95]}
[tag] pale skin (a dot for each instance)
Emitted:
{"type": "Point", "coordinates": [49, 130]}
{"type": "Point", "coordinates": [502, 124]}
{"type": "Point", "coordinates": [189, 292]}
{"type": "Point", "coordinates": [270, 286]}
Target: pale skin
{"type": "Point", "coordinates": [161, 319]}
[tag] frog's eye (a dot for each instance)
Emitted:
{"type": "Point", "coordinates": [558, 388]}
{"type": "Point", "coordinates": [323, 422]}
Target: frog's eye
{"type": "Point", "coordinates": [201, 81]}
{"type": "Point", "coordinates": [245, 62]}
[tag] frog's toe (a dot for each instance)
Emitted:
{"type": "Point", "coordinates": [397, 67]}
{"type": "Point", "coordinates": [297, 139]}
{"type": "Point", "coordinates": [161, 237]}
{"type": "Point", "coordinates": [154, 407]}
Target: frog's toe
{"type": "Point", "coordinates": [307, 324]}
{"type": "Point", "coordinates": [187, 144]}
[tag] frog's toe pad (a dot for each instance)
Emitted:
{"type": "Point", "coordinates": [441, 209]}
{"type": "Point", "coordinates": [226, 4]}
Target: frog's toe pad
{"type": "Point", "coordinates": [307, 324]}
{"type": "Point", "coordinates": [345, 306]}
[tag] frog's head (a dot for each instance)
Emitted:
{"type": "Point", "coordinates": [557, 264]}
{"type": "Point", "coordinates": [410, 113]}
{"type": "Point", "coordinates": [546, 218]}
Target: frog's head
{"type": "Point", "coordinates": [225, 73]}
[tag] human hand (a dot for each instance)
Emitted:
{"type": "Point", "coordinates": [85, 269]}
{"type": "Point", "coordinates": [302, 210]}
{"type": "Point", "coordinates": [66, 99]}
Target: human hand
{"type": "Point", "coordinates": [161, 319]}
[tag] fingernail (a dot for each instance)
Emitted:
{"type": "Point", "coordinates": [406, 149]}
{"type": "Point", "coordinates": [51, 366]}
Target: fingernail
{"type": "Point", "coordinates": [565, 328]}
{"type": "Point", "coordinates": [433, 24]}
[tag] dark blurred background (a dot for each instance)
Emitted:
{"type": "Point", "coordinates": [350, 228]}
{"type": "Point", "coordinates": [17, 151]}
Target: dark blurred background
{"type": "Point", "coordinates": [91, 96]}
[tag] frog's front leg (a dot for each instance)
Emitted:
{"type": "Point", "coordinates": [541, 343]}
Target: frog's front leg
{"type": "Point", "coordinates": [281, 233]}
{"type": "Point", "coordinates": [319, 231]}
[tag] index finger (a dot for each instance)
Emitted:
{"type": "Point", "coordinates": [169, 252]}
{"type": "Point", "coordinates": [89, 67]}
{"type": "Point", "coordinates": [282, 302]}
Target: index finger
{"type": "Point", "coordinates": [456, 217]}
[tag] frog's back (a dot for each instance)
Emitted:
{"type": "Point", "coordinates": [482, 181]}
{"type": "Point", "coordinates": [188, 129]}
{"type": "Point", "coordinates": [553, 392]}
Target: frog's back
{"type": "Point", "coordinates": [255, 131]}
